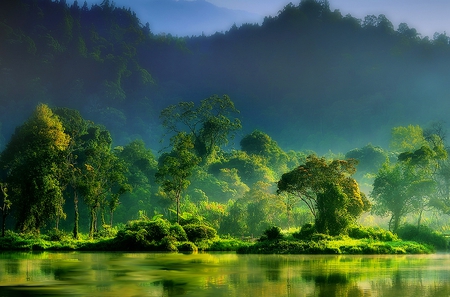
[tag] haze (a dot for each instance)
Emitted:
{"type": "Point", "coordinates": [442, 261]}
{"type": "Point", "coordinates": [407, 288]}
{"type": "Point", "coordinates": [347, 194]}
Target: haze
{"type": "Point", "coordinates": [427, 17]}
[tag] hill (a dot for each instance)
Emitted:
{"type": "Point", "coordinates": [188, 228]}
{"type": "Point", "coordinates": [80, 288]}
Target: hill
{"type": "Point", "coordinates": [309, 77]}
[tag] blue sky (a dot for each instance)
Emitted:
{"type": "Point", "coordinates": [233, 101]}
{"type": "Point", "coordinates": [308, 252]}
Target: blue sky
{"type": "Point", "coordinates": [427, 16]}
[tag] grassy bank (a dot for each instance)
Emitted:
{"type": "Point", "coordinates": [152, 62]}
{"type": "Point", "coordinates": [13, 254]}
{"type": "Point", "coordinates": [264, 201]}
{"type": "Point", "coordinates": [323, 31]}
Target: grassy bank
{"type": "Point", "coordinates": [343, 245]}
{"type": "Point", "coordinates": [161, 235]}
{"type": "Point", "coordinates": [336, 246]}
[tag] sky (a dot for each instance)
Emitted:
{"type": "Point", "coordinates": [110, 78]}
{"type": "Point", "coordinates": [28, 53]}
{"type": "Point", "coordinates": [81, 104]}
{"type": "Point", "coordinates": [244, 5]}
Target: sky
{"type": "Point", "coordinates": [426, 16]}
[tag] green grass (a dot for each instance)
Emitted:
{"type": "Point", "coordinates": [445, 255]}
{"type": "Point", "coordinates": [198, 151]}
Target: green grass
{"type": "Point", "coordinates": [285, 245]}
{"type": "Point", "coordinates": [339, 245]}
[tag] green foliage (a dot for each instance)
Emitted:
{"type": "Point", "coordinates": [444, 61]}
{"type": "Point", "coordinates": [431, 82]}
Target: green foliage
{"type": "Point", "coordinates": [210, 124]}
{"type": "Point", "coordinates": [227, 244]}
{"type": "Point", "coordinates": [306, 232]}
{"type": "Point", "coordinates": [35, 162]}
{"type": "Point", "coordinates": [272, 233]}
{"type": "Point", "coordinates": [178, 232]}
{"type": "Point", "coordinates": [199, 232]}
{"type": "Point", "coordinates": [187, 246]}
{"type": "Point", "coordinates": [329, 245]}
{"type": "Point", "coordinates": [360, 232]}
{"type": "Point", "coordinates": [424, 235]}
{"type": "Point", "coordinates": [332, 216]}
{"type": "Point", "coordinates": [175, 168]}
{"type": "Point", "coordinates": [332, 196]}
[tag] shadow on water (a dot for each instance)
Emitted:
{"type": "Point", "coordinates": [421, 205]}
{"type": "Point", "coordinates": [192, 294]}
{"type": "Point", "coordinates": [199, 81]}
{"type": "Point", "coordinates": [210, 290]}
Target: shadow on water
{"type": "Point", "coordinates": [222, 274]}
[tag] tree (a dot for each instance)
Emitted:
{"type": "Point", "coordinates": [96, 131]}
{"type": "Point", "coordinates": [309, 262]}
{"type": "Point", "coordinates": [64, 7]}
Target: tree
{"type": "Point", "coordinates": [76, 127]}
{"type": "Point", "coordinates": [35, 160]}
{"type": "Point", "coordinates": [424, 163]}
{"type": "Point", "coordinates": [210, 124]}
{"type": "Point", "coordinates": [6, 205]}
{"type": "Point", "coordinates": [260, 144]}
{"type": "Point", "coordinates": [103, 176]}
{"type": "Point", "coordinates": [311, 184]}
{"type": "Point", "coordinates": [176, 167]}
{"type": "Point", "coordinates": [264, 209]}
{"type": "Point", "coordinates": [142, 167]}
{"type": "Point", "coordinates": [391, 193]}
{"type": "Point", "coordinates": [332, 215]}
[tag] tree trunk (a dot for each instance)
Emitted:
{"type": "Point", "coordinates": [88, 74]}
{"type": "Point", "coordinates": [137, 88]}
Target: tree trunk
{"type": "Point", "coordinates": [3, 224]}
{"type": "Point", "coordinates": [394, 223]}
{"type": "Point", "coordinates": [419, 220]}
{"type": "Point", "coordinates": [92, 223]}
{"type": "Point", "coordinates": [177, 197]}
{"type": "Point", "coordinates": [77, 215]}
{"type": "Point", "coordinates": [178, 208]}
{"type": "Point", "coordinates": [111, 218]}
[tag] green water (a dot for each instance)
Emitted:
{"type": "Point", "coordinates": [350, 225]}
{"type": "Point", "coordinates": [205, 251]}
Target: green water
{"type": "Point", "coordinates": [222, 274]}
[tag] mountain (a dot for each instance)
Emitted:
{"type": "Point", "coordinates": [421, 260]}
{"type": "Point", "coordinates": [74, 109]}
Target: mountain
{"type": "Point", "coordinates": [187, 18]}
{"type": "Point", "coordinates": [308, 77]}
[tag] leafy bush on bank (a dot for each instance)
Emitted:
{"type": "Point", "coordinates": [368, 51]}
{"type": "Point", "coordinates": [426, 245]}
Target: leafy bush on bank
{"type": "Point", "coordinates": [424, 235]}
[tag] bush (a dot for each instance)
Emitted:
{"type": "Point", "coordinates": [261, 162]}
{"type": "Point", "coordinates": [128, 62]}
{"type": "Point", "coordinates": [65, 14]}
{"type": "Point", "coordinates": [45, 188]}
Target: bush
{"type": "Point", "coordinates": [187, 246]}
{"type": "Point", "coordinates": [360, 232]}
{"type": "Point", "coordinates": [198, 232]}
{"type": "Point", "coordinates": [423, 235]}
{"type": "Point", "coordinates": [272, 233]}
{"type": "Point", "coordinates": [305, 233]}
{"type": "Point", "coordinates": [178, 232]}
{"type": "Point", "coordinates": [155, 229]}
{"type": "Point", "coordinates": [55, 235]}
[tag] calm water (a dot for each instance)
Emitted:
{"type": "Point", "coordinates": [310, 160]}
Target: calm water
{"type": "Point", "coordinates": [222, 274]}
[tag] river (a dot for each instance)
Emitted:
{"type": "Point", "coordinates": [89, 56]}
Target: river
{"type": "Point", "coordinates": [222, 274]}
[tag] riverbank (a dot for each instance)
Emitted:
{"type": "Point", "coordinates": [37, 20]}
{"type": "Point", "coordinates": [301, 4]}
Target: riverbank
{"type": "Point", "coordinates": [341, 245]}
{"type": "Point", "coordinates": [344, 245]}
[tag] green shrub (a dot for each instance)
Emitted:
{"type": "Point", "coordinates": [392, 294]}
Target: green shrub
{"type": "Point", "coordinates": [178, 232]}
{"type": "Point", "coordinates": [55, 235]}
{"type": "Point", "coordinates": [106, 232]}
{"type": "Point", "coordinates": [272, 233]}
{"type": "Point", "coordinates": [168, 243]}
{"type": "Point", "coordinates": [360, 232]}
{"type": "Point", "coordinates": [197, 232]}
{"type": "Point", "coordinates": [227, 244]}
{"type": "Point", "coordinates": [305, 232]}
{"type": "Point", "coordinates": [423, 235]}
{"type": "Point", "coordinates": [187, 246]}
{"type": "Point", "coordinates": [155, 229]}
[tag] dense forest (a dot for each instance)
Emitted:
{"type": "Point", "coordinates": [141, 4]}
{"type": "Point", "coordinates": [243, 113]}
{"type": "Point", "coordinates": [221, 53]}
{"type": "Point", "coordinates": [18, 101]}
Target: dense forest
{"type": "Point", "coordinates": [103, 121]}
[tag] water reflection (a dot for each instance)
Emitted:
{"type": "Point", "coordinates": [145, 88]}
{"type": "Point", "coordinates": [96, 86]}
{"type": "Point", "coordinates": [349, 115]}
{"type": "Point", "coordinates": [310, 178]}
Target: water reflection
{"type": "Point", "coordinates": [221, 274]}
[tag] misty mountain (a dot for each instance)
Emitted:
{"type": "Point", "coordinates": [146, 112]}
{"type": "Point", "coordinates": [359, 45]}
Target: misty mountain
{"type": "Point", "coordinates": [186, 18]}
{"type": "Point", "coordinates": [309, 77]}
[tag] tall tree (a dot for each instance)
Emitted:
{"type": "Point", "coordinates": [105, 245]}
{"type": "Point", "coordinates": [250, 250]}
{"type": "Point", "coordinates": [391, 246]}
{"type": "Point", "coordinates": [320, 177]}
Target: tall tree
{"type": "Point", "coordinates": [175, 168]}
{"type": "Point", "coordinates": [210, 124]}
{"type": "Point", "coordinates": [75, 126]}
{"type": "Point", "coordinates": [5, 207]}
{"type": "Point", "coordinates": [311, 183]}
{"type": "Point", "coordinates": [103, 175]}
{"type": "Point", "coordinates": [35, 160]}
{"type": "Point", "coordinates": [391, 194]}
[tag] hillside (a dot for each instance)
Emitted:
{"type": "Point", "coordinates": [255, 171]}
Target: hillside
{"type": "Point", "coordinates": [309, 77]}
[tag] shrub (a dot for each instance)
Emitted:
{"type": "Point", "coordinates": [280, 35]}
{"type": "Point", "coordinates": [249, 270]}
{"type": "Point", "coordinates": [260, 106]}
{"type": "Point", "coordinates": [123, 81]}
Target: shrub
{"type": "Point", "coordinates": [168, 244]}
{"type": "Point", "coordinates": [178, 232]}
{"type": "Point", "coordinates": [273, 233]}
{"type": "Point", "coordinates": [423, 235]}
{"type": "Point", "coordinates": [305, 232]}
{"type": "Point", "coordinates": [155, 229]}
{"type": "Point", "coordinates": [197, 232]}
{"type": "Point", "coordinates": [55, 235]}
{"type": "Point", "coordinates": [187, 246]}
{"type": "Point", "coordinates": [360, 232]}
